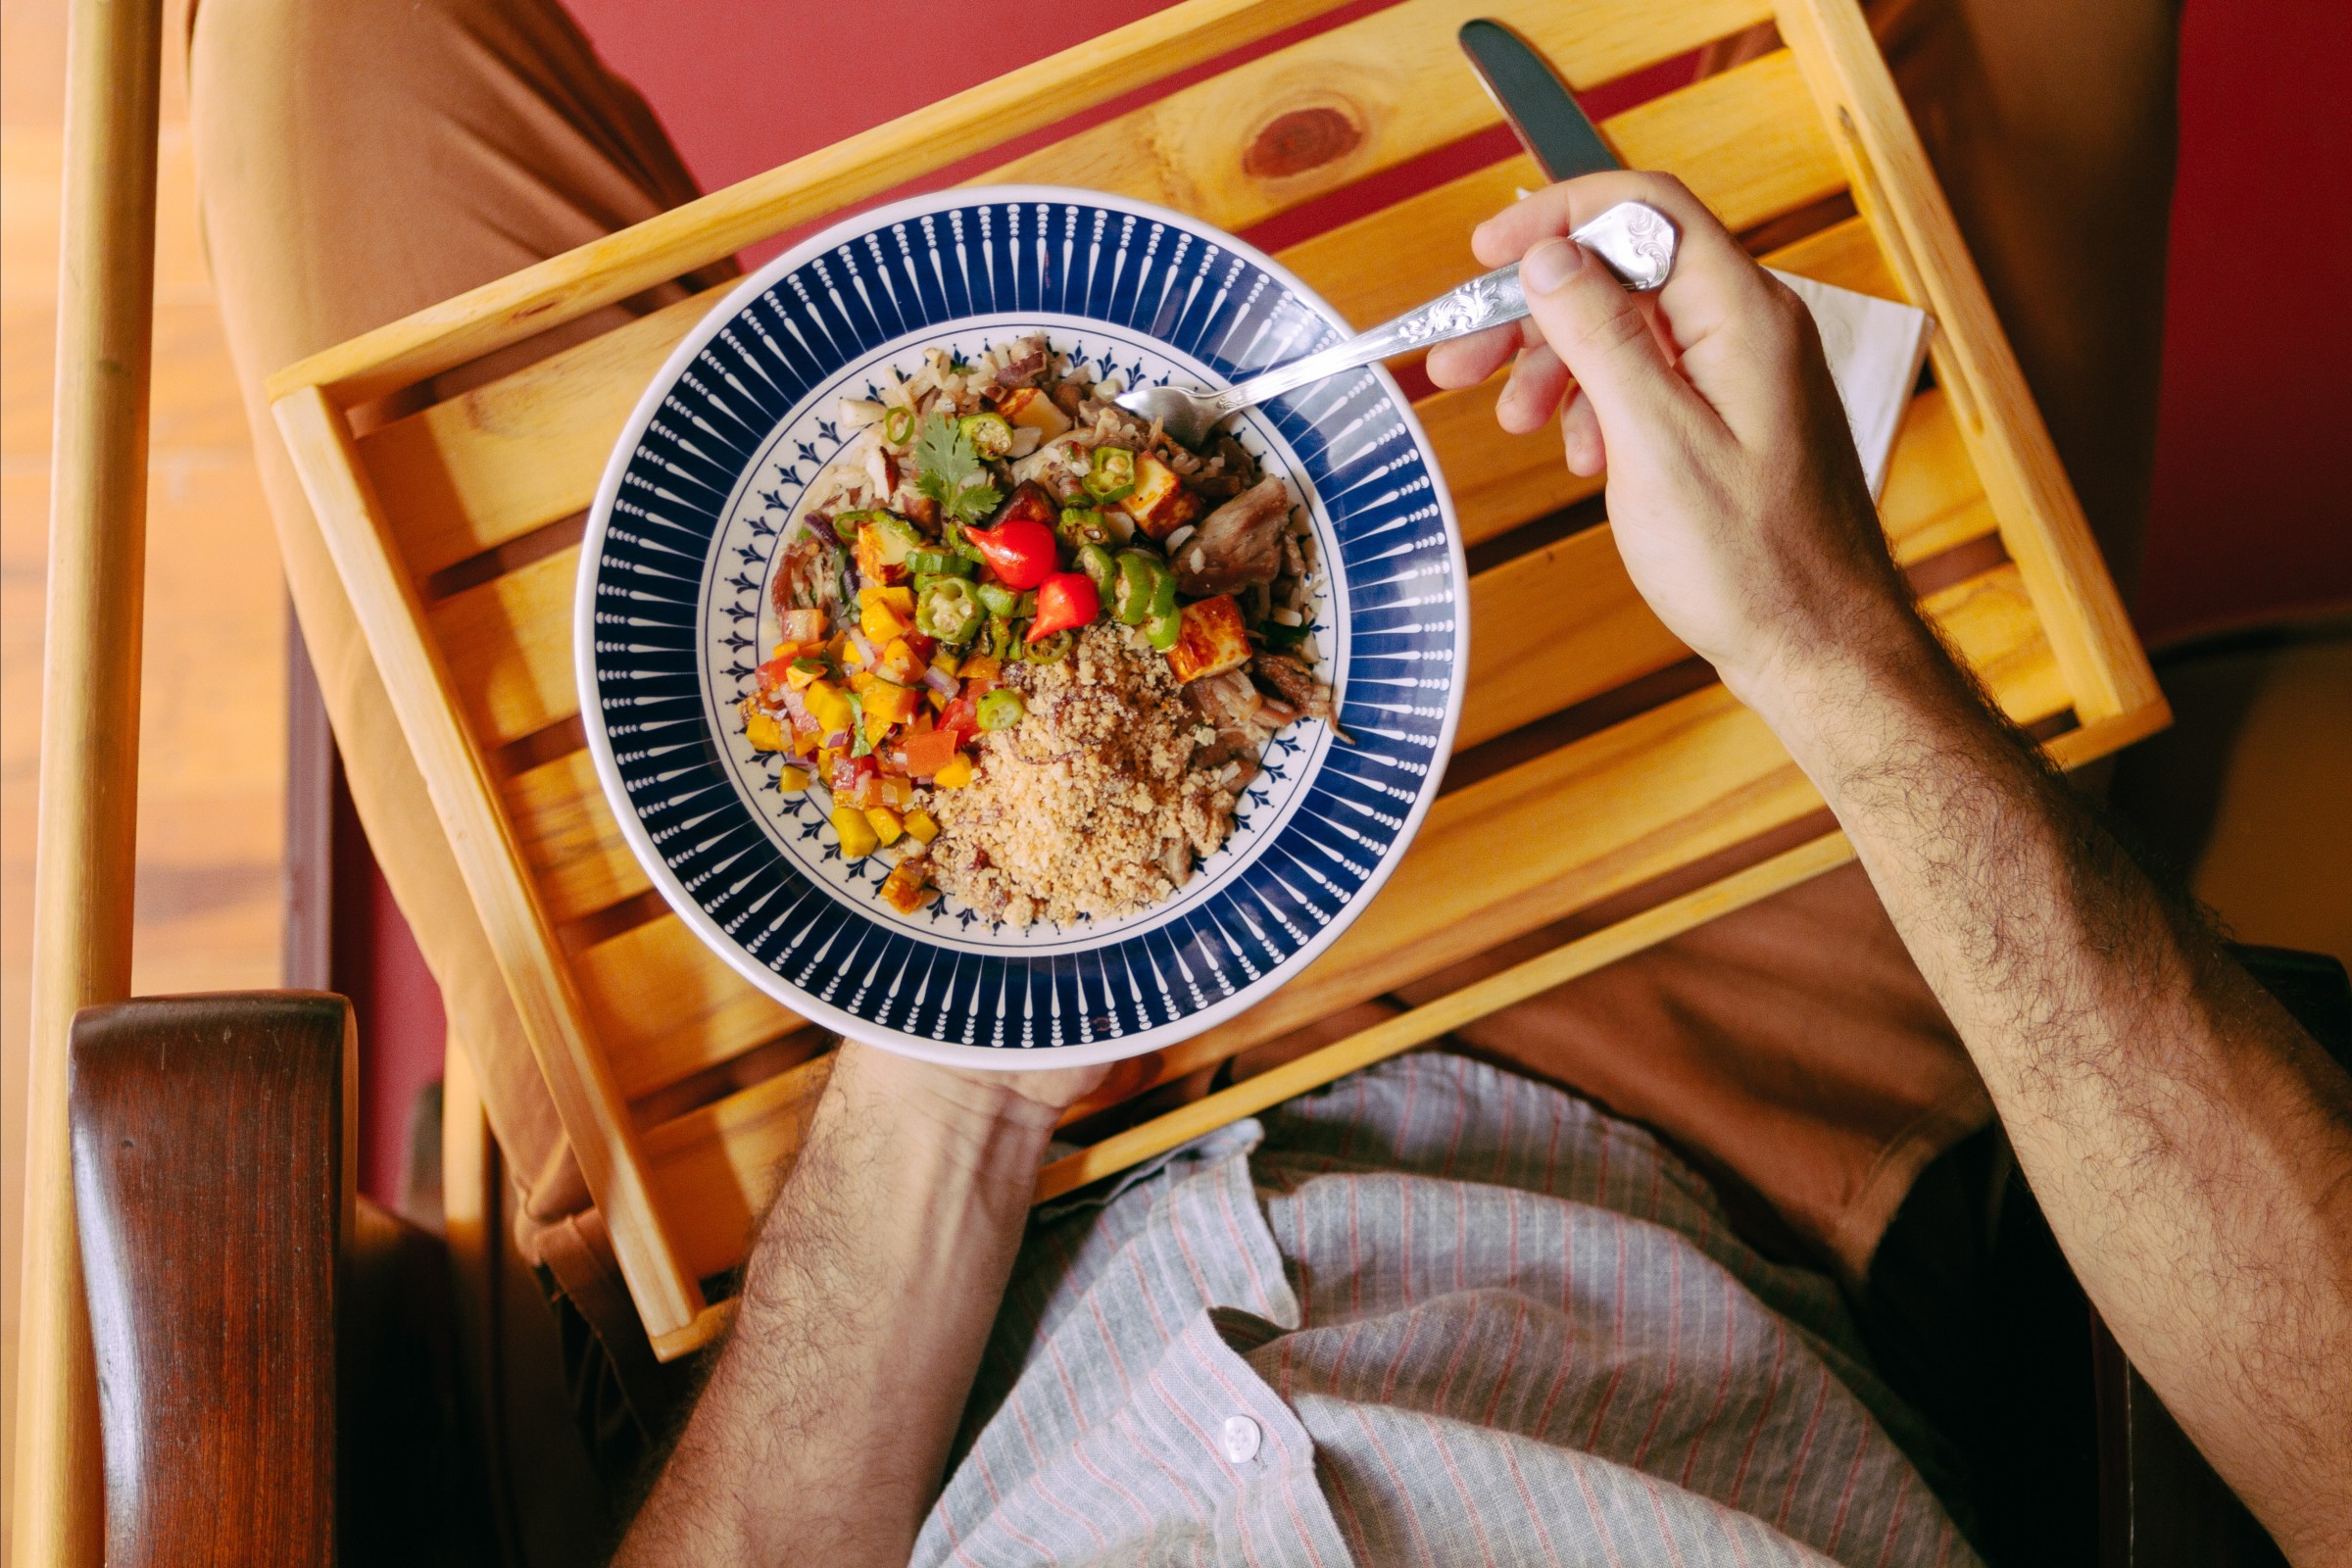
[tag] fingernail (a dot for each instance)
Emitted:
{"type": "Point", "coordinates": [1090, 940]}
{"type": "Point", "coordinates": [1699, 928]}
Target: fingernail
{"type": "Point", "coordinates": [1550, 264]}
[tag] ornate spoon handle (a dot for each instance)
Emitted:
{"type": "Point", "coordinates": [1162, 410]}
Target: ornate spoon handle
{"type": "Point", "coordinates": [1634, 241]}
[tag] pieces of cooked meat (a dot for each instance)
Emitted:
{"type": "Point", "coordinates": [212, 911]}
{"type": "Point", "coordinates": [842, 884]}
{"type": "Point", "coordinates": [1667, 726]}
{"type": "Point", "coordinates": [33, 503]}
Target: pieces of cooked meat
{"type": "Point", "coordinates": [809, 573]}
{"type": "Point", "coordinates": [1290, 679]}
{"type": "Point", "coordinates": [1237, 546]}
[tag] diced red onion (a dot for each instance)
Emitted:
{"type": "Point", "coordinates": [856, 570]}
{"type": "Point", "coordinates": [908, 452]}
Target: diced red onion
{"type": "Point", "coordinates": [939, 680]}
{"type": "Point", "coordinates": [865, 648]}
{"type": "Point", "coordinates": [794, 703]}
{"type": "Point", "coordinates": [836, 740]}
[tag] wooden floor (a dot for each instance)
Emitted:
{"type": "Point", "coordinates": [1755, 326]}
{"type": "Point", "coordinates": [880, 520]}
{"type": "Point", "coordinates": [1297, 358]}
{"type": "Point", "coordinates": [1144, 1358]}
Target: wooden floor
{"type": "Point", "coordinates": [212, 764]}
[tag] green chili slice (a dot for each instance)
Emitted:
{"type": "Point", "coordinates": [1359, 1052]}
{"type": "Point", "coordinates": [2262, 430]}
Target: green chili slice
{"type": "Point", "coordinates": [949, 610]}
{"type": "Point", "coordinates": [1164, 632]}
{"type": "Point", "coordinates": [1144, 583]}
{"type": "Point", "coordinates": [1000, 709]}
{"type": "Point", "coordinates": [988, 433]}
{"type": "Point", "coordinates": [1000, 638]}
{"type": "Point", "coordinates": [1083, 526]}
{"type": "Point", "coordinates": [999, 600]}
{"type": "Point", "coordinates": [1048, 650]}
{"type": "Point", "coordinates": [937, 564]}
{"type": "Point", "coordinates": [845, 525]}
{"type": "Point", "coordinates": [898, 426]}
{"type": "Point", "coordinates": [1102, 568]}
{"type": "Point", "coordinates": [1111, 474]}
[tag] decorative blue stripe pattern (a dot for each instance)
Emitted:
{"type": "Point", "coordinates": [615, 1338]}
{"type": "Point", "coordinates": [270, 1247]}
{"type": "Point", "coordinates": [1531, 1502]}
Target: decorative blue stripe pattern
{"type": "Point", "coordinates": [702, 490]}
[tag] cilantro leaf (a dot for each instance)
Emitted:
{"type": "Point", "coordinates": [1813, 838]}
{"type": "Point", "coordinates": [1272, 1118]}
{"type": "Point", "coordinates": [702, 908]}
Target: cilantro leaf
{"type": "Point", "coordinates": [951, 472]}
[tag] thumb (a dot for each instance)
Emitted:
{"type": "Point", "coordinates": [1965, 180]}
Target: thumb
{"type": "Point", "coordinates": [1596, 326]}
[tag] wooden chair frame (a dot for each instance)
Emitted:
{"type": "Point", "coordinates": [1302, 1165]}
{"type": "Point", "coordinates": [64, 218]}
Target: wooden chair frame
{"type": "Point", "coordinates": [480, 673]}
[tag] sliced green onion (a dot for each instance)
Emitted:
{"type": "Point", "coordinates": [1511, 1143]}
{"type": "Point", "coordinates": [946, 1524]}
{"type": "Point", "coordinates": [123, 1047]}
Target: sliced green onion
{"type": "Point", "coordinates": [999, 600]}
{"type": "Point", "coordinates": [1102, 568]}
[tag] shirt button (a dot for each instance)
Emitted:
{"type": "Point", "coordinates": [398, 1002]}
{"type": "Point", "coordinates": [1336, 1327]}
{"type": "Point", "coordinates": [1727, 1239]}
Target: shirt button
{"type": "Point", "coordinates": [1240, 1439]}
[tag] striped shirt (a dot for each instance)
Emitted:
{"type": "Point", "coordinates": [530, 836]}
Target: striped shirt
{"type": "Point", "coordinates": [1437, 1313]}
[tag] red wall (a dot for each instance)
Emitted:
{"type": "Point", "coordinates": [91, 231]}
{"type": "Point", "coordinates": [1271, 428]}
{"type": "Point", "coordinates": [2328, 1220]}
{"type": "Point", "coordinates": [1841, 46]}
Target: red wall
{"type": "Point", "coordinates": [2251, 517]}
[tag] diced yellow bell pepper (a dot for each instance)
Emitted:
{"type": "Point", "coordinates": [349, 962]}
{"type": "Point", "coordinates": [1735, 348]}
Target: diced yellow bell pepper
{"type": "Point", "coordinates": [937, 700]}
{"type": "Point", "coordinates": [762, 731]}
{"type": "Point", "coordinates": [831, 708]}
{"type": "Point", "coordinates": [956, 776]}
{"type": "Point", "coordinates": [877, 729]}
{"type": "Point", "coordinates": [799, 677]}
{"type": "Point", "coordinates": [885, 613]}
{"type": "Point", "coordinates": [888, 826]}
{"type": "Point", "coordinates": [904, 890]}
{"type": "Point", "coordinates": [900, 663]}
{"type": "Point", "coordinates": [922, 826]}
{"type": "Point", "coordinates": [894, 704]}
{"type": "Point", "coordinates": [946, 663]}
{"type": "Point", "coordinates": [1159, 504]}
{"type": "Point", "coordinates": [858, 836]}
{"type": "Point", "coordinates": [792, 779]}
{"type": "Point", "coordinates": [982, 666]}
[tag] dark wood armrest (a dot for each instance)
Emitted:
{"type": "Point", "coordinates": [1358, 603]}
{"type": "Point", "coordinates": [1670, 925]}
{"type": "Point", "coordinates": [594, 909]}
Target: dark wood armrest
{"type": "Point", "coordinates": [213, 1196]}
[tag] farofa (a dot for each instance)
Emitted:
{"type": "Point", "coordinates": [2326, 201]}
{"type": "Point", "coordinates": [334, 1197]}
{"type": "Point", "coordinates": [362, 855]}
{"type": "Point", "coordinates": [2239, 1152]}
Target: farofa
{"type": "Point", "coordinates": [1091, 806]}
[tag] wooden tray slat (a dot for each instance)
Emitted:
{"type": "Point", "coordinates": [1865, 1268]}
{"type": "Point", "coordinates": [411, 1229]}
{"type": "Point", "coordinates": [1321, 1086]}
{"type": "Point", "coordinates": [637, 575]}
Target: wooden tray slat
{"type": "Point", "coordinates": [571, 840]}
{"type": "Point", "coordinates": [488, 465]}
{"type": "Point", "coordinates": [508, 644]}
{"type": "Point", "coordinates": [1284, 128]}
{"type": "Point", "coordinates": [667, 1006]}
{"type": "Point", "coordinates": [1493, 861]}
{"type": "Point", "coordinates": [1392, 260]}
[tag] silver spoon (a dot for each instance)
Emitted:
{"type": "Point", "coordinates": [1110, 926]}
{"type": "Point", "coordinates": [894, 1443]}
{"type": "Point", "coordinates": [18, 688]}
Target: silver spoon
{"type": "Point", "coordinates": [1634, 241]}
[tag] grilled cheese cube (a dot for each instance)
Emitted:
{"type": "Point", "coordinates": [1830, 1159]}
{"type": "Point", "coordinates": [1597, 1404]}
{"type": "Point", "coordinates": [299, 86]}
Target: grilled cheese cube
{"type": "Point", "coordinates": [1213, 640]}
{"type": "Point", "coordinates": [1159, 504]}
{"type": "Point", "coordinates": [1027, 406]}
{"type": "Point", "coordinates": [904, 890]}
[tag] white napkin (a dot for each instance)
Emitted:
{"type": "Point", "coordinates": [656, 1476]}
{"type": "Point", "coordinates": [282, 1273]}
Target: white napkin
{"type": "Point", "coordinates": [1875, 349]}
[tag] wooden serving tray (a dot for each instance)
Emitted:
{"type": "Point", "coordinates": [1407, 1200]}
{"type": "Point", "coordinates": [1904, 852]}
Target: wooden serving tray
{"type": "Point", "coordinates": [684, 1089]}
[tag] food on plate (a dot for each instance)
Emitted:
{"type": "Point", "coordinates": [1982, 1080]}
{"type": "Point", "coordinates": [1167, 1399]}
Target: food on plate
{"type": "Point", "coordinates": [1030, 646]}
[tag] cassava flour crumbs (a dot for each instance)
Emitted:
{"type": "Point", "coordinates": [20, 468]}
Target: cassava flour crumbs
{"type": "Point", "coordinates": [1091, 805]}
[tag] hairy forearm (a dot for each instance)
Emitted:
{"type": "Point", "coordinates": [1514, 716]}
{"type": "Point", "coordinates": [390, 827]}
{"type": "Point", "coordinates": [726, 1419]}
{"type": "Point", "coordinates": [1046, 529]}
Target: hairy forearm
{"type": "Point", "coordinates": [2190, 1145]}
{"type": "Point", "coordinates": [825, 1425]}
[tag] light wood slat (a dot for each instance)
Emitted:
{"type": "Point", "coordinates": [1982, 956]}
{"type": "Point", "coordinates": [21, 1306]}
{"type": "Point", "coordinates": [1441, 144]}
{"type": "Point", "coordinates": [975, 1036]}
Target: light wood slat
{"type": "Point", "coordinates": [509, 646]}
{"type": "Point", "coordinates": [718, 1166]}
{"type": "Point", "coordinates": [676, 243]}
{"type": "Point", "coordinates": [491, 464]}
{"type": "Point", "coordinates": [1932, 502]}
{"type": "Point", "coordinates": [88, 801]}
{"type": "Point", "coordinates": [422, 694]}
{"type": "Point", "coordinates": [666, 1007]}
{"type": "Point", "coordinates": [476, 470]}
{"type": "Point", "coordinates": [1494, 860]}
{"type": "Point", "coordinates": [1845, 254]}
{"type": "Point", "coordinates": [1744, 141]}
{"type": "Point", "coordinates": [2041, 521]}
{"type": "Point", "coordinates": [1389, 87]}
{"type": "Point", "coordinates": [571, 840]}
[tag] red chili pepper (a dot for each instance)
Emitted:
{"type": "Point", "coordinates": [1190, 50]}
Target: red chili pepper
{"type": "Point", "coordinates": [1018, 551]}
{"type": "Point", "coordinates": [1065, 601]}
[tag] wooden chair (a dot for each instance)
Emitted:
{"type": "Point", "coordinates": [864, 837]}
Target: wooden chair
{"type": "Point", "coordinates": [204, 1390]}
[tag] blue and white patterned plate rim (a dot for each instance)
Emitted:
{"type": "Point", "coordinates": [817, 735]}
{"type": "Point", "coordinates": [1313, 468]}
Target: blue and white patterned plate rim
{"type": "Point", "coordinates": [1117, 1047]}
